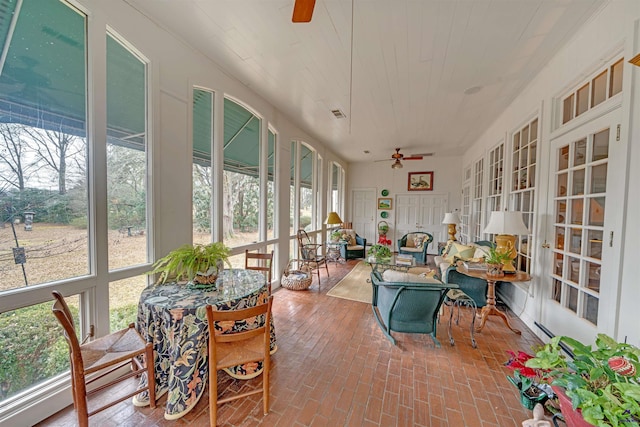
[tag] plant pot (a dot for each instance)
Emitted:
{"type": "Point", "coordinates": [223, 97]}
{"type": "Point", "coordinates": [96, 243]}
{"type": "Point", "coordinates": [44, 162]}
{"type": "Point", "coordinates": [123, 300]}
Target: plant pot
{"type": "Point", "coordinates": [573, 417]}
{"type": "Point", "coordinates": [529, 398]}
{"type": "Point", "coordinates": [495, 270]}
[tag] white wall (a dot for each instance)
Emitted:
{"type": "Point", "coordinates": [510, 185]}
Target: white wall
{"type": "Point", "coordinates": [613, 29]}
{"type": "Point", "coordinates": [447, 180]}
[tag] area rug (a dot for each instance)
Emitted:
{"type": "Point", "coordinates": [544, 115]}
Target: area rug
{"type": "Point", "coordinates": [354, 285]}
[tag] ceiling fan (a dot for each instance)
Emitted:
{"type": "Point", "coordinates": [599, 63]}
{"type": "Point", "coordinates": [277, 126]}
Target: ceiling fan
{"type": "Point", "coordinates": [398, 156]}
{"type": "Point", "coordinates": [303, 10]}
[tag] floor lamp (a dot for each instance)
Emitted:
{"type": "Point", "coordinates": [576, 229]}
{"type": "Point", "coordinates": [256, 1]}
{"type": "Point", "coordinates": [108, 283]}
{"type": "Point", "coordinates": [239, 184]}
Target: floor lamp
{"type": "Point", "coordinates": [505, 225]}
{"type": "Point", "coordinates": [333, 218]}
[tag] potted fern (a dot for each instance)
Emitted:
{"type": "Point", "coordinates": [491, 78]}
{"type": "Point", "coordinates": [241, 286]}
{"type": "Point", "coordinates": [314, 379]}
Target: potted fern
{"type": "Point", "coordinates": [495, 262]}
{"type": "Point", "coordinates": [198, 264]}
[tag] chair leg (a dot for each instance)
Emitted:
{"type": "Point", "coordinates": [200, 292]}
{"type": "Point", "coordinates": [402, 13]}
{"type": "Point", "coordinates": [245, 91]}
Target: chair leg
{"type": "Point", "coordinates": [266, 367]}
{"type": "Point", "coordinates": [213, 397]}
{"type": "Point", "coordinates": [151, 377]}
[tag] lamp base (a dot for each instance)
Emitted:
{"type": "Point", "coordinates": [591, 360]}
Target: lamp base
{"type": "Point", "coordinates": [452, 232]}
{"type": "Point", "coordinates": [505, 243]}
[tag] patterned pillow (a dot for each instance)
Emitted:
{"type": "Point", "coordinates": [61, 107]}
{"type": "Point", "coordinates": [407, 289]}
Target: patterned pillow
{"type": "Point", "coordinates": [459, 251]}
{"type": "Point", "coordinates": [418, 240]}
{"type": "Point", "coordinates": [410, 243]}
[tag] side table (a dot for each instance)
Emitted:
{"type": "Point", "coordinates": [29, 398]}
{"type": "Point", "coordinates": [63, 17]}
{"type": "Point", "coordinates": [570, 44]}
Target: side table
{"type": "Point", "coordinates": [490, 309]}
{"type": "Point", "coordinates": [333, 252]}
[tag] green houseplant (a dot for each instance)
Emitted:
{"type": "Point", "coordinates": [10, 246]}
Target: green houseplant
{"type": "Point", "coordinates": [601, 382]}
{"type": "Point", "coordinates": [198, 264]}
{"type": "Point", "coordinates": [379, 252]}
{"type": "Point", "coordinates": [495, 261]}
{"type": "Point", "coordinates": [335, 235]}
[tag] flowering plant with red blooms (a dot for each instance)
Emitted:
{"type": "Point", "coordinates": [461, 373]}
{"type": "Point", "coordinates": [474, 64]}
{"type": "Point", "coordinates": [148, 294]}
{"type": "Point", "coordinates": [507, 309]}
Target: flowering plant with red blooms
{"type": "Point", "coordinates": [527, 380]}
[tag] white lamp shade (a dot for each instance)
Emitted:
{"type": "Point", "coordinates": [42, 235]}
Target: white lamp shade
{"type": "Point", "coordinates": [451, 218]}
{"type": "Point", "coordinates": [505, 222]}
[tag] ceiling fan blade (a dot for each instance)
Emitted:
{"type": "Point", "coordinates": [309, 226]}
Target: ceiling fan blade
{"type": "Point", "coordinates": [413, 157]}
{"type": "Point", "coordinates": [421, 155]}
{"type": "Point", "coordinates": [303, 10]}
{"type": "Point", "coordinates": [383, 160]}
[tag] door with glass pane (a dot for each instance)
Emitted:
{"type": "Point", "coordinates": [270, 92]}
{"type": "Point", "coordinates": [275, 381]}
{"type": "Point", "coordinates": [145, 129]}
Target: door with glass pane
{"type": "Point", "coordinates": [583, 193]}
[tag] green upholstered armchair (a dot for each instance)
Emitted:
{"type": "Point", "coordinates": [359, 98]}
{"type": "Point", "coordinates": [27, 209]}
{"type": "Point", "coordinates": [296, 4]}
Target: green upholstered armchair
{"type": "Point", "coordinates": [407, 245]}
{"type": "Point", "coordinates": [407, 306]}
{"type": "Point", "coordinates": [355, 248]}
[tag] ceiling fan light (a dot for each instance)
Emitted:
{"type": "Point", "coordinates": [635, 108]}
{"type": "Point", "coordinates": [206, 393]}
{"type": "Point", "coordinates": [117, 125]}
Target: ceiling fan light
{"type": "Point", "coordinates": [396, 164]}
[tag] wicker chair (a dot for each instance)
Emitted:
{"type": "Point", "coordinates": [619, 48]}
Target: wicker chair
{"type": "Point", "coordinates": [406, 245]}
{"type": "Point", "coordinates": [310, 254]}
{"type": "Point", "coordinates": [355, 249]}
{"type": "Point", "coordinates": [407, 306]}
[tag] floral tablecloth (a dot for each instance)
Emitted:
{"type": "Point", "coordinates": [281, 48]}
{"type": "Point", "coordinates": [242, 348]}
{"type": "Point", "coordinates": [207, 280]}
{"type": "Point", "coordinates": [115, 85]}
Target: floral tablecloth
{"type": "Point", "coordinates": [173, 317]}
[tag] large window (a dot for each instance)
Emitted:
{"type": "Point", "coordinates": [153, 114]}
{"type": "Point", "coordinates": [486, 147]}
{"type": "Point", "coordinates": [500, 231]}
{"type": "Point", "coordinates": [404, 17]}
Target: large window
{"type": "Point", "coordinates": [202, 170]}
{"type": "Point", "coordinates": [44, 192]}
{"type": "Point", "coordinates": [475, 224]}
{"type": "Point", "coordinates": [465, 213]}
{"type": "Point", "coordinates": [337, 178]}
{"type": "Point", "coordinates": [126, 156]}
{"type": "Point", "coordinates": [248, 179]}
{"type": "Point", "coordinates": [495, 166]}
{"type": "Point", "coordinates": [523, 187]}
{"type": "Point", "coordinates": [304, 188]}
{"type": "Point", "coordinates": [602, 86]}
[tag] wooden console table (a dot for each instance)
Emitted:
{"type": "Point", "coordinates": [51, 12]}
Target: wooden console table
{"type": "Point", "coordinates": [490, 309]}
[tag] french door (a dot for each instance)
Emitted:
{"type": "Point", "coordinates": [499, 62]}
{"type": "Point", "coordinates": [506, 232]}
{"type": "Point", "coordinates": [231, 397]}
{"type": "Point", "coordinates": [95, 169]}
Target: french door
{"type": "Point", "coordinates": [421, 213]}
{"type": "Point", "coordinates": [585, 195]}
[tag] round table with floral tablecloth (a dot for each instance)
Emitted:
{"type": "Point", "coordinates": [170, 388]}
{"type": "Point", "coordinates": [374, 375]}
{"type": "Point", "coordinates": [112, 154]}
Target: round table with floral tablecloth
{"type": "Point", "coordinates": [173, 317]}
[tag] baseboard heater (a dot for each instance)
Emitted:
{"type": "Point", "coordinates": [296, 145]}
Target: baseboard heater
{"type": "Point", "coordinates": [550, 334]}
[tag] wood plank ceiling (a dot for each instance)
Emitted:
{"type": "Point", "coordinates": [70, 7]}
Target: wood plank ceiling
{"type": "Point", "coordinates": [413, 60]}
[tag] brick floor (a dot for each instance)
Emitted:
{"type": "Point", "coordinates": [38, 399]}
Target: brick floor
{"type": "Point", "coordinates": [334, 367]}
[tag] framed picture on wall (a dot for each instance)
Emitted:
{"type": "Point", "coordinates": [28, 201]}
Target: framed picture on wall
{"type": "Point", "coordinates": [384, 203]}
{"type": "Point", "coordinates": [420, 181]}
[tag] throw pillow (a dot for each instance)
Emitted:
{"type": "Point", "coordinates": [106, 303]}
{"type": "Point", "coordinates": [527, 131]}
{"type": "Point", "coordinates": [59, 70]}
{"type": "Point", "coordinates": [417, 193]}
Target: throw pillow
{"type": "Point", "coordinates": [410, 242]}
{"type": "Point", "coordinates": [400, 276]}
{"type": "Point", "coordinates": [480, 253]}
{"type": "Point", "coordinates": [459, 251]}
{"type": "Point", "coordinates": [417, 241]}
{"type": "Point", "coordinates": [447, 248]}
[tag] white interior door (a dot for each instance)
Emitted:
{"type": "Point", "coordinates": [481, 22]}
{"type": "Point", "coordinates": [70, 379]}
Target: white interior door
{"type": "Point", "coordinates": [421, 213]}
{"type": "Point", "coordinates": [586, 227]}
{"type": "Point", "coordinates": [364, 213]}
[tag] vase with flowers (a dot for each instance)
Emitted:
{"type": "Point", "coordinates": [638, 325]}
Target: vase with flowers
{"type": "Point", "coordinates": [602, 383]}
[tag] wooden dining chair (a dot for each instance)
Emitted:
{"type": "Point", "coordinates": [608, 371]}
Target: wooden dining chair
{"type": "Point", "coordinates": [96, 359]}
{"type": "Point", "coordinates": [233, 348]}
{"type": "Point", "coordinates": [260, 262]}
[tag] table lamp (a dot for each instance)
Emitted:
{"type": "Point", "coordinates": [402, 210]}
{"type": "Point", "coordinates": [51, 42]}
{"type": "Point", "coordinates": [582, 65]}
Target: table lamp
{"type": "Point", "coordinates": [333, 218]}
{"type": "Point", "coordinates": [505, 225]}
{"type": "Point", "coordinates": [451, 219]}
